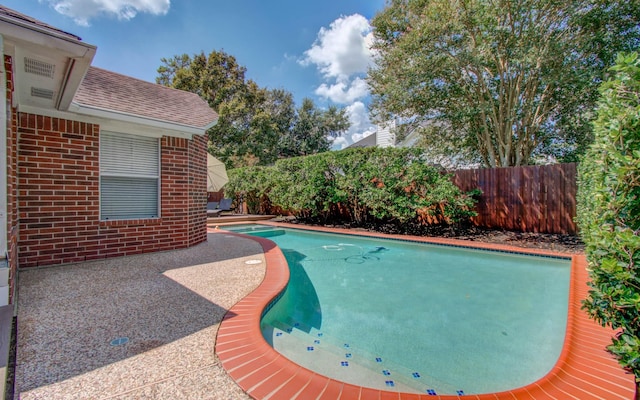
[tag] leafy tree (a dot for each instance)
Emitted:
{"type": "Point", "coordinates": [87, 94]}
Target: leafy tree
{"type": "Point", "coordinates": [609, 213]}
{"type": "Point", "coordinates": [245, 133]}
{"type": "Point", "coordinates": [503, 81]}
{"type": "Point", "coordinates": [256, 126]}
{"type": "Point", "coordinates": [280, 105]}
{"type": "Point", "coordinates": [311, 129]}
{"type": "Point", "coordinates": [216, 78]}
{"type": "Point", "coordinates": [168, 73]}
{"type": "Point", "coordinates": [220, 80]}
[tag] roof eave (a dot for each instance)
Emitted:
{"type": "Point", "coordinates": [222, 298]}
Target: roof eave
{"type": "Point", "coordinates": [69, 40]}
{"type": "Point", "coordinates": [79, 54]}
{"type": "Point", "coordinates": [187, 130]}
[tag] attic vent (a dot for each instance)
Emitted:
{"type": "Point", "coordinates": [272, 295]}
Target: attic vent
{"type": "Point", "coordinates": [38, 67]}
{"type": "Point", "coordinates": [42, 93]}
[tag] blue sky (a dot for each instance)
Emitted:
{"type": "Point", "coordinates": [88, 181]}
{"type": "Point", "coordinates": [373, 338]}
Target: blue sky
{"type": "Point", "coordinates": [313, 49]}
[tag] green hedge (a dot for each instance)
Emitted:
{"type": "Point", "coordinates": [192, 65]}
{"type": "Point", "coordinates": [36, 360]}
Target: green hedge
{"type": "Point", "coordinates": [354, 185]}
{"type": "Point", "coordinates": [609, 212]}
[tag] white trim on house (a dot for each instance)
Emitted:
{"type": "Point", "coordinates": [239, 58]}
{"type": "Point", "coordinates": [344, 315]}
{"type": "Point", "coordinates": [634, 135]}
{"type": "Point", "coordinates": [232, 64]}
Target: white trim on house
{"type": "Point", "coordinates": [143, 128]}
{"type": "Point", "coordinates": [27, 32]}
{"type": "Point", "coordinates": [135, 119]}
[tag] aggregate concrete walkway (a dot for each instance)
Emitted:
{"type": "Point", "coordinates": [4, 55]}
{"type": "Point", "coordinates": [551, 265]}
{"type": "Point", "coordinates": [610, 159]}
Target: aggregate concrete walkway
{"type": "Point", "coordinates": [169, 305]}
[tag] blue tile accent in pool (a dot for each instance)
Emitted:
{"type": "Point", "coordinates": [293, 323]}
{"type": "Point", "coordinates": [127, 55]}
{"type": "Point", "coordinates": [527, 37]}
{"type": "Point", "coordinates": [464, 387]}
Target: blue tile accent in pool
{"type": "Point", "coordinates": [386, 372]}
{"type": "Point", "coordinates": [389, 383]}
{"type": "Point", "coordinates": [431, 392]}
{"type": "Point", "coordinates": [310, 348]}
{"type": "Point", "coordinates": [378, 359]}
{"type": "Point", "coordinates": [278, 333]}
{"type": "Point", "coordinates": [348, 355]}
{"type": "Point", "coordinates": [346, 345]}
{"type": "Point", "coordinates": [316, 341]}
{"type": "Point", "coordinates": [271, 304]}
{"type": "Point", "coordinates": [460, 392]}
{"type": "Point", "coordinates": [416, 375]}
{"type": "Point", "coordinates": [344, 363]}
{"type": "Point", "coordinates": [319, 334]}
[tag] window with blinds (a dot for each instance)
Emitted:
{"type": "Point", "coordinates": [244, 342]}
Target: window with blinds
{"type": "Point", "coordinates": [129, 176]}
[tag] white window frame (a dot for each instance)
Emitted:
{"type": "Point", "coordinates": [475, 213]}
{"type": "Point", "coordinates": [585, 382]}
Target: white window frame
{"type": "Point", "coordinates": [122, 167]}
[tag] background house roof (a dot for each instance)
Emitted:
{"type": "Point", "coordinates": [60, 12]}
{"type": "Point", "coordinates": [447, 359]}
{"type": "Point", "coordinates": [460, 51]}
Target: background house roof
{"type": "Point", "coordinates": [367, 141]}
{"type": "Point", "coordinates": [110, 91]}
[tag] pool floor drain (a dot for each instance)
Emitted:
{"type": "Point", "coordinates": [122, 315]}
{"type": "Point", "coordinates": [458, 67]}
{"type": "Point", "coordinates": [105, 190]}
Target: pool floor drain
{"type": "Point", "coordinates": [252, 262]}
{"type": "Point", "coordinates": [119, 341]}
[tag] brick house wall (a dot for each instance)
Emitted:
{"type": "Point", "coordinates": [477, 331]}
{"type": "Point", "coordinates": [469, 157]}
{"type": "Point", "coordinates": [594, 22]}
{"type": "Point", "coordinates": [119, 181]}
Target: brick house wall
{"type": "Point", "coordinates": [197, 190]}
{"type": "Point", "coordinates": [58, 196]}
{"type": "Point", "coordinates": [12, 168]}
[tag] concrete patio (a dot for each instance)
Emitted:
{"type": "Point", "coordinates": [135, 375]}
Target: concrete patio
{"type": "Point", "coordinates": [168, 305]}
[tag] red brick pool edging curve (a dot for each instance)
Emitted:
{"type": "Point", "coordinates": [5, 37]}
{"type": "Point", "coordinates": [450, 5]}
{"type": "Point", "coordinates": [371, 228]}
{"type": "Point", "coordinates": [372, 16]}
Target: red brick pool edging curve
{"type": "Point", "coordinates": [583, 371]}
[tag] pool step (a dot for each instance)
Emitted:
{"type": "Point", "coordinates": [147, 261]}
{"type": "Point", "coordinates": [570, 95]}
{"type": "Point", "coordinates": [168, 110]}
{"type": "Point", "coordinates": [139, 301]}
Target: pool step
{"type": "Point", "coordinates": [266, 233]}
{"type": "Point", "coordinates": [329, 361]}
{"type": "Point", "coordinates": [315, 350]}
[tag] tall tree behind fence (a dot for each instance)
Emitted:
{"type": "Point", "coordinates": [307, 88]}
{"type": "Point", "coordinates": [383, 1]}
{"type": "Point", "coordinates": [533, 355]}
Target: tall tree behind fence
{"type": "Point", "coordinates": [540, 198]}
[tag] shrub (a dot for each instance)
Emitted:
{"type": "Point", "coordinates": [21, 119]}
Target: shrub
{"type": "Point", "coordinates": [363, 184]}
{"type": "Point", "coordinates": [609, 212]}
{"type": "Point", "coordinates": [251, 185]}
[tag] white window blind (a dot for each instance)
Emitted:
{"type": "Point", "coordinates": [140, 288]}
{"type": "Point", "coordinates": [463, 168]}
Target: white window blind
{"type": "Point", "coordinates": [129, 176]}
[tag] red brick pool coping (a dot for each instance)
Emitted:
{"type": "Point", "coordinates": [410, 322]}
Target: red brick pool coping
{"type": "Point", "coordinates": [583, 371]}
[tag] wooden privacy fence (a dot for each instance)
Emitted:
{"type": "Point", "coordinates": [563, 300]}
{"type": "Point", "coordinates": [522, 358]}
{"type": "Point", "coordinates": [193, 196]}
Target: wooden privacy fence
{"type": "Point", "coordinates": [539, 198]}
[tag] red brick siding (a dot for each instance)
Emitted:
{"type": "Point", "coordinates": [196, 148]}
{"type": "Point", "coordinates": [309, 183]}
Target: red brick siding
{"type": "Point", "coordinates": [12, 167]}
{"type": "Point", "coordinates": [197, 190]}
{"type": "Point", "coordinates": [175, 187]}
{"type": "Point", "coordinates": [59, 200]}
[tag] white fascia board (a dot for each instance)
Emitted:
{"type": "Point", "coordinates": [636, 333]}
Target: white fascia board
{"type": "Point", "coordinates": [136, 119]}
{"type": "Point", "coordinates": [76, 72]}
{"type": "Point", "coordinates": [19, 31]}
{"type": "Point", "coordinates": [110, 124]}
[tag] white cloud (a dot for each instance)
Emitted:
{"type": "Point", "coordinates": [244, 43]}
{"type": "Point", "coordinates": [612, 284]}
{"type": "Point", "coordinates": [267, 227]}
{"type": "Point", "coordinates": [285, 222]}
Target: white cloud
{"type": "Point", "coordinates": [340, 143]}
{"type": "Point", "coordinates": [82, 11]}
{"type": "Point", "coordinates": [344, 92]}
{"type": "Point", "coordinates": [359, 118]}
{"type": "Point", "coordinates": [342, 53]}
{"type": "Point", "coordinates": [343, 49]}
{"type": "Point", "coordinates": [360, 127]}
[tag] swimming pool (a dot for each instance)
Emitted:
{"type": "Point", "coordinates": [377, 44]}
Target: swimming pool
{"type": "Point", "coordinates": [464, 321]}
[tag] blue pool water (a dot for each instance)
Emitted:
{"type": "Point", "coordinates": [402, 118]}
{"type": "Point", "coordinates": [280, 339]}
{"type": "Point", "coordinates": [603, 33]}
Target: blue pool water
{"type": "Point", "coordinates": [407, 316]}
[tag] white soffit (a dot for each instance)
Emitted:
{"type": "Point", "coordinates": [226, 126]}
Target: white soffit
{"type": "Point", "coordinates": [48, 66]}
{"type": "Point", "coordinates": [39, 78]}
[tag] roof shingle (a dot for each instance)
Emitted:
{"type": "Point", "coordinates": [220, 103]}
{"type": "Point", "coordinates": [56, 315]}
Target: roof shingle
{"type": "Point", "coordinates": [111, 91]}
